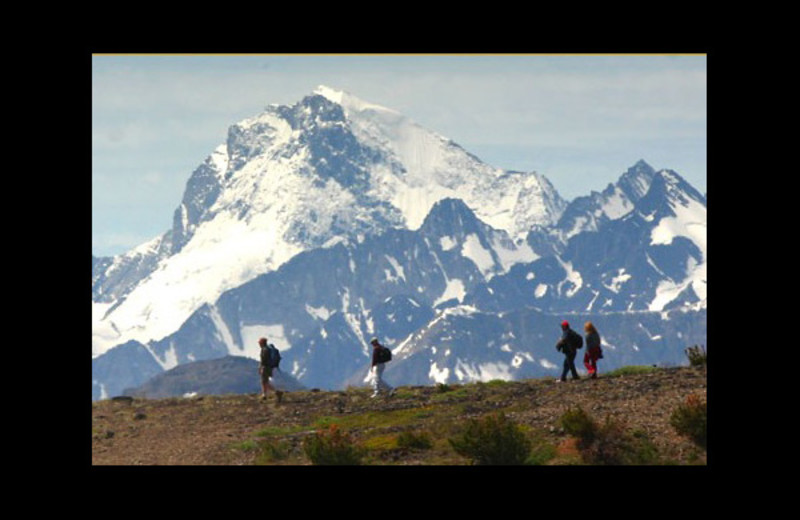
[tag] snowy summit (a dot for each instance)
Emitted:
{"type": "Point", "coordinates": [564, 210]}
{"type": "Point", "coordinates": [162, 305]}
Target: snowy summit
{"type": "Point", "coordinates": [329, 168]}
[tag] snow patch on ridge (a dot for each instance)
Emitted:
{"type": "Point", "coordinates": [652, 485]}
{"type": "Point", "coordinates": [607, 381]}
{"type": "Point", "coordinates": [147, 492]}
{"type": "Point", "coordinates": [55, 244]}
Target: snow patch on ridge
{"type": "Point", "coordinates": [454, 289]}
{"type": "Point", "coordinates": [480, 256]}
{"type": "Point", "coordinates": [274, 334]}
{"type": "Point", "coordinates": [224, 333]}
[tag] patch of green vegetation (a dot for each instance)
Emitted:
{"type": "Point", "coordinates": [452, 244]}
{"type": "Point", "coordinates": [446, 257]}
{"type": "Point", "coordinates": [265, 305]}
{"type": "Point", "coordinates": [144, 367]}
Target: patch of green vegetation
{"type": "Point", "coordinates": [690, 420]}
{"type": "Point", "coordinates": [414, 440]}
{"type": "Point", "coordinates": [380, 443]}
{"type": "Point", "coordinates": [375, 419]}
{"type": "Point", "coordinates": [492, 440]}
{"type": "Point", "coordinates": [442, 388]}
{"type": "Point", "coordinates": [248, 445]}
{"type": "Point", "coordinates": [631, 370]}
{"type": "Point", "coordinates": [608, 443]}
{"type": "Point", "coordinates": [453, 394]}
{"type": "Point", "coordinates": [333, 447]}
{"type": "Point", "coordinates": [494, 383]}
{"type": "Point", "coordinates": [541, 452]}
{"type": "Point", "coordinates": [272, 451]}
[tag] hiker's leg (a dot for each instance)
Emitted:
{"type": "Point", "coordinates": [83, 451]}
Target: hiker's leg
{"type": "Point", "coordinates": [375, 380]}
{"type": "Point", "coordinates": [264, 386]}
{"type": "Point", "coordinates": [381, 383]}
{"type": "Point", "coordinates": [572, 367]}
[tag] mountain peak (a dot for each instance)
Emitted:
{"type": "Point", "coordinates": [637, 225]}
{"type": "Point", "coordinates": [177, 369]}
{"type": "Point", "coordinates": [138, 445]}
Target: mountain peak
{"type": "Point", "coordinates": [331, 94]}
{"type": "Point", "coordinates": [667, 192]}
{"type": "Point", "coordinates": [350, 103]}
{"type": "Point", "coordinates": [636, 181]}
{"type": "Point", "coordinates": [450, 214]}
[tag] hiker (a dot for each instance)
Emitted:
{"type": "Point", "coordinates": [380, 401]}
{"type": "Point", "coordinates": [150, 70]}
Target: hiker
{"type": "Point", "coordinates": [569, 344]}
{"type": "Point", "coordinates": [593, 350]}
{"type": "Point", "coordinates": [270, 358]}
{"type": "Point", "coordinates": [378, 364]}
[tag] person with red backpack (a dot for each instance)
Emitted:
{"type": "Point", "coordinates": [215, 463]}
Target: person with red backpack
{"type": "Point", "coordinates": [569, 344]}
{"type": "Point", "coordinates": [380, 356]}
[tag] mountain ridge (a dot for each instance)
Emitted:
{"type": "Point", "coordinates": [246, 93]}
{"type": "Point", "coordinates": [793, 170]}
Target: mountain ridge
{"type": "Point", "coordinates": [272, 191]}
{"type": "Point", "coordinates": [317, 225]}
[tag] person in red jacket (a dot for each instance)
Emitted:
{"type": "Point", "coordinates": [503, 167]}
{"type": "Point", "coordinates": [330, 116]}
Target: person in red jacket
{"type": "Point", "coordinates": [593, 349]}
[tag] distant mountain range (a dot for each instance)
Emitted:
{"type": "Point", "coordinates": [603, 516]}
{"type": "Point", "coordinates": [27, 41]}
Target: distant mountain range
{"type": "Point", "coordinates": [219, 376]}
{"type": "Point", "coordinates": [322, 224]}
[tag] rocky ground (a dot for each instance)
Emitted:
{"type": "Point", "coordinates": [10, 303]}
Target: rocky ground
{"type": "Point", "coordinates": [245, 430]}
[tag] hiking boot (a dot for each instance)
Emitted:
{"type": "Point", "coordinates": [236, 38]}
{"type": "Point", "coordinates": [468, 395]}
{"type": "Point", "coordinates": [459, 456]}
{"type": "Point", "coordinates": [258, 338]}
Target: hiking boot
{"type": "Point", "coordinates": [392, 392]}
{"type": "Point", "coordinates": [263, 397]}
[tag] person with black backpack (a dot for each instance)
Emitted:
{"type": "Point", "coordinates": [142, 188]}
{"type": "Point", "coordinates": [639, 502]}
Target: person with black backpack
{"type": "Point", "coordinates": [270, 360]}
{"type": "Point", "coordinates": [380, 356]}
{"type": "Point", "coordinates": [569, 344]}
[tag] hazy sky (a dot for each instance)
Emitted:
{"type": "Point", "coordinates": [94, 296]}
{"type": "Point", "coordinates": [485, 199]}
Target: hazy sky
{"type": "Point", "coordinates": [580, 120]}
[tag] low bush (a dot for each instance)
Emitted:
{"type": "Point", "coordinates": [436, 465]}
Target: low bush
{"type": "Point", "coordinates": [690, 419]}
{"type": "Point", "coordinates": [580, 425]}
{"type": "Point", "coordinates": [493, 440]}
{"type": "Point", "coordinates": [697, 355]}
{"type": "Point", "coordinates": [416, 441]}
{"type": "Point", "coordinates": [332, 447]}
{"type": "Point", "coordinates": [272, 451]}
{"type": "Point", "coordinates": [541, 452]}
{"type": "Point", "coordinates": [608, 444]}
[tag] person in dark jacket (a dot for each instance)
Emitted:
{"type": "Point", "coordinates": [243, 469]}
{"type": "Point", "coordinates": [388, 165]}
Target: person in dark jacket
{"type": "Point", "coordinates": [265, 370]}
{"type": "Point", "coordinates": [378, 384]}
{"type": "Point", "coordinates": [593, 350]}
{"type": "Point", "coordinates": [569, 344]}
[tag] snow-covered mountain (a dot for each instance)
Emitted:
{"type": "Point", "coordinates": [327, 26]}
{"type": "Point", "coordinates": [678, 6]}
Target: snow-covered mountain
{"type": "Point", "coordinates": [651, 258]}
{"type": "Point", "coordinates": [329, 168]}
{"type": "Point", "coordinates": [325, 223]}
{"type": "Point", "coordinates": [588, 213]}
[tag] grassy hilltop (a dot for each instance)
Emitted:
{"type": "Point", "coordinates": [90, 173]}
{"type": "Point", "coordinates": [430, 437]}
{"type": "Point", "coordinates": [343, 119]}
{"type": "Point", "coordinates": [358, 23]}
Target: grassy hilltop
{"type": "Point", "coordinates": [635, 415]}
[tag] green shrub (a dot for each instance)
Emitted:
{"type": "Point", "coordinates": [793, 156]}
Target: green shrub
{"type": "Point", "coordinates": [697, 355]}
{"type": "Point", "coordinates": [272, 451]}
{"type": "Point", "coordinates": [493, 440]}
{"type": "Point", "coordinates": [608, 444]}
{"type": "Point", "coordinates": [332, 448]}
{"type": "Point", "coordinates": [541, 452]}
{"type": "Point", "coordinates": [690, 420]}
{"type": "Point", "coordinates": [442, 388]}
{"type": "Point", "coordinates": [579, 424]}
{"type": "Point", "coordinates": [416, 441]}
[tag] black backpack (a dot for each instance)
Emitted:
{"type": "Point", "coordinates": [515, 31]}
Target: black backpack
{"type": "Point", "coordinates": [270, 356]}
{"type": "Point", "coordinates": [573, 341]}
{"type": "Point", "coordinates": [384, 355]}
{"type": "Point", "coordinates": [576, 340]}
